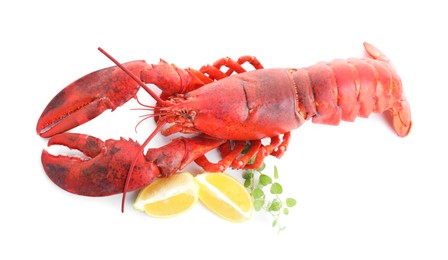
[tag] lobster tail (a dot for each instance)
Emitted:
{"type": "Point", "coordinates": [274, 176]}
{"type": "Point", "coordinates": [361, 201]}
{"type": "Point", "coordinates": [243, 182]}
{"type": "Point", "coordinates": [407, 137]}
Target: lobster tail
{"type": "Point", "coordinates": [400, 117]}
{"type": "Point", "coordinates": [344, 89]}
{"type": "Point", "coordinates": [399, 111]}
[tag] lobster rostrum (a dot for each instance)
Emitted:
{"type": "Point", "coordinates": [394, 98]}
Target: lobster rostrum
{"type": "Point", "coordinates": [230, 110]}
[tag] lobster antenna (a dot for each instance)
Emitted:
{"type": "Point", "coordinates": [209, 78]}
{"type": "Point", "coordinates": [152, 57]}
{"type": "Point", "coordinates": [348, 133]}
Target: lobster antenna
{"type": "Point", "coordinates": [150, 92]}
{"type": "Point", "coordinates": [131, 169]}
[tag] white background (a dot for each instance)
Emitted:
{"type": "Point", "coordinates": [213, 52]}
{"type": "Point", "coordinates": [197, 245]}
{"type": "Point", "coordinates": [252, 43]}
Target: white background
{"type": "Point", "coordinates": [362, 192]}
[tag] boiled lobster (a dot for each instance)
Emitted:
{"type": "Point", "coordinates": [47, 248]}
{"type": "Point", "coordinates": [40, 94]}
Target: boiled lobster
{"type": "Point", "coordinates": [232, 110]}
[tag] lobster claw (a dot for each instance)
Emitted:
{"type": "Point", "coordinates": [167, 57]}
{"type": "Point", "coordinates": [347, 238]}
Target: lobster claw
{"type": "Point", "coordinates": [88, 97]}
{"type": "Point", "coordinates": [104, 172]}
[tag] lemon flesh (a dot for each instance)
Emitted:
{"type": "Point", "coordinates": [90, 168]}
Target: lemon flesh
{"type": "Point", "coordinates": [168, 197]}
{"type": "Point", "coordinates": [225, 196]}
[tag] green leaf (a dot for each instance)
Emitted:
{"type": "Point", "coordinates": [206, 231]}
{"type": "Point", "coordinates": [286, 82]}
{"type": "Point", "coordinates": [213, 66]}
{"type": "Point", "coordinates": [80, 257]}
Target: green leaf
{"type": "Point", "coordinates": [262, 167]}
{"type": "Point", "coordinates": [255, 181]}
{"type": "Point", "coordinates": [290, 202]}
{"type": "Point", "coordinates": [246, 148]}
{"type": "Point", "coordinates": [247, 183]}
{"type": "Point", "coordinates": [252, 160]}
{"type": "Point", "coordinates": [276, 188]}
{"type": "Point", "coordinates": [276, 205]}
{"type": "Point", "coordinates": [258, 193]}
{"type": "Point", "coordinates": [258, 204]}
{"type": "Point", "coordinates": [248, 175]}
{"type": "Point", "coordinates": [265, 180]}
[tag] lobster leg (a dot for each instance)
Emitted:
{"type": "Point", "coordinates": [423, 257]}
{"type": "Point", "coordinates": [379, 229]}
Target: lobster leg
{"type": "Point", "coordinates": [214, 71]}
{"type": "Point", "coordinates": [246, 59]}
{"type": "Point", "coordinates": [226, 160]}
{"type": "Point", "coordinates": [173, 80]}
{"type": "Point", "coordinates": [276, 148]}
{"type": "Point", "coordinates": [244, 159]}
{"type": "Point", "coordinates": [232, 156]}
{"type": "Point", "coordinates": [281, 149]}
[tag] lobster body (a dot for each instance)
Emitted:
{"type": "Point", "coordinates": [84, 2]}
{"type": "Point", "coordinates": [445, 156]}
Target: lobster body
{"type": "Point", "coordinates": [326, 92]}
{"type": "Point", "coordinates": [236, 113]}
{"type": "Point", "coordinates": [228, 111]}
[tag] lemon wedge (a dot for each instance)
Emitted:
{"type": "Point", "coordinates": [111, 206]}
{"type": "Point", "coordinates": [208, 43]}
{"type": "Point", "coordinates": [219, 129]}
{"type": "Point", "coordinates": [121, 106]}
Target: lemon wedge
{"type": "Point", "coordinates": [168, 197]}
{"type": "Point", "coordinates": [225, 196]}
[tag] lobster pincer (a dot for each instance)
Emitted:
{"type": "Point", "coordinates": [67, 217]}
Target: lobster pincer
{"type": "Point", "coordinates": [105, 169]}
{"type": "Point", "coordinates": [109, 88]}
{"type": "Point", "coordinates": [88, 97]}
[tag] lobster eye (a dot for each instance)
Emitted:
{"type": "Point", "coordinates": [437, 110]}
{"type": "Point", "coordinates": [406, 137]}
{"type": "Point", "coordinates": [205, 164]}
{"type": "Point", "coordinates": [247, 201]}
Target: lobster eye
{"type": "Point", "coordinates": [190, 115]}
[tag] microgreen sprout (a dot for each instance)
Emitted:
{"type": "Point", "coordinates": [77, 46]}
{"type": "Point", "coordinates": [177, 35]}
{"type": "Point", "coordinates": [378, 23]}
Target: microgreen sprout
{"type": "Point", "coordinates": [257, 183]}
